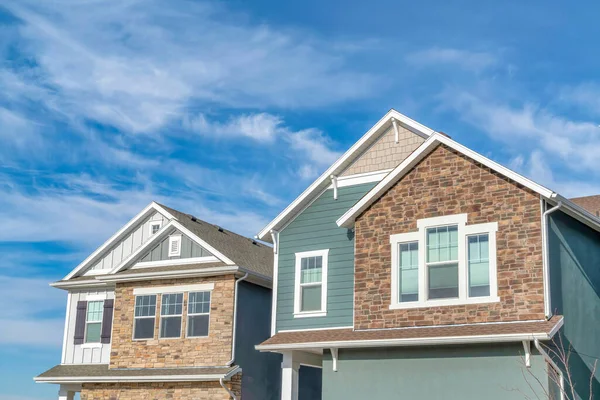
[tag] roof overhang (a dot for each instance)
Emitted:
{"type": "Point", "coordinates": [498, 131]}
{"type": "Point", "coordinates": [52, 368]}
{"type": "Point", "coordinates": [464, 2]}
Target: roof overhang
{"type": "Point", "coordinates": [347, 220]}
{"type": "Point", "coordinates": [340, 165]}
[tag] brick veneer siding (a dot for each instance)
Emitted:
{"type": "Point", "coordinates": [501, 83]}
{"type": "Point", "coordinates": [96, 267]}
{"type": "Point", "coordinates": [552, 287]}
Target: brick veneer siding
{"type": "Point", "coordinates": [160, 391]}
{"type": "Point", "coordinates": [447, 183]}
{"type": "Point", "coordinates": [165, 353]}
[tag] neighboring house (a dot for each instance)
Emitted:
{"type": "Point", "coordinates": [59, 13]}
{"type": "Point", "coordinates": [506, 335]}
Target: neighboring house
{"type": "Point", "coordinates": [590, 203]}
{"type": "Point", "coordinates": [417, 268]}
{"type": "Point", "coordinates": [169, 307]}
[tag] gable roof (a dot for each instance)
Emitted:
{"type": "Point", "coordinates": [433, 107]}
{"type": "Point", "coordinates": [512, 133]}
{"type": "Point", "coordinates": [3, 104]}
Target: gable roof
{"type": "Point", "coordinates": [347, 220]}
{"type": "Point", "coordinates": [322, 182]}
{"type": "Point", "coordinates": [229, 248]}
{"type": "Point", "coordinates": [590, 203]}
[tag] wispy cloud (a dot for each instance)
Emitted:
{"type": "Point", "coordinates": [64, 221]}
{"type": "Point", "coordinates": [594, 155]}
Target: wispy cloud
{"type": "Point", "coordinates": [464, 59]}
{"type": "Point", "coordinates": [585, 96]}
{"type": "Point", "coordinates": [260, 127]}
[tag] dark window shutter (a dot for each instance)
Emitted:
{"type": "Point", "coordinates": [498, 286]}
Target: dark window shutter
{"type": "Point", "coordinates": [107, 318]}
{"type": "Point", "coordinates": [80, 322]}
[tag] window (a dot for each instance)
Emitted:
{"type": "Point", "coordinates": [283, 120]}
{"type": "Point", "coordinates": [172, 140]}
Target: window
{"type": "Point", "coordinates": [198, 314]}
{"type": "Point", "coordinates": [154, 227]}
{"type": "Point", "coordinates": [93, 321]}
{"type": "Point", "coordinates": [310, 294]}
{"type": "Point", "coordinates": [145, 315]}
{"type": "Point", "coordinates": [175, 246]}
{"type": "Point", "coordinates": [445, 262]}
{"type": "Point", "coordinates": [171, 310]}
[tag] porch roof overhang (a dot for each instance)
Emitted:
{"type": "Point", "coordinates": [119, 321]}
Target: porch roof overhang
{"type": "Point", "coordinates": [101, 373]}
{"type": "Point", "coordinates": [496, 332]}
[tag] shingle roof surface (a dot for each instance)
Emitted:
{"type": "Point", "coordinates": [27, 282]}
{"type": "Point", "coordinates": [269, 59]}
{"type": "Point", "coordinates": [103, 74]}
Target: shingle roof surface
{"type": "Point", "coordinates": [102, 370]}
{"type": "Point", "coordinates": [340, 335]}
{"type": "Point", "coordinates": [245, 252]}
{"type": "Point", "coordinates": [590, 203]}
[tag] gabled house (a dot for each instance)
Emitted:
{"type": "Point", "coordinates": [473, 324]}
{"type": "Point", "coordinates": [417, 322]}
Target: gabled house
{"type": "Point", "coordinates": [169, 307]}
{"type": "Point", "coordinates": [415, 267]}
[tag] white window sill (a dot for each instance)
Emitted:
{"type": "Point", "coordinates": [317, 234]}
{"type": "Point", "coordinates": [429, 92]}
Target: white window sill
{"type": "Point", "coordinates": [310, 314]}
{"type": "Point", "coordinates": [91, 346]}
{"type": "Point", "coordinates": [444, 303]}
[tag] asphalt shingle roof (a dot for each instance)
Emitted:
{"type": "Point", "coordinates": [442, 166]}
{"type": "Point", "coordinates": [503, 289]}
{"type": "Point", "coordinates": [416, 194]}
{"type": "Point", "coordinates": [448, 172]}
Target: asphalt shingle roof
{"type": "Point", "coordinates": [590, 203]}
{"type": "Point", "coordinates": [245, 252]}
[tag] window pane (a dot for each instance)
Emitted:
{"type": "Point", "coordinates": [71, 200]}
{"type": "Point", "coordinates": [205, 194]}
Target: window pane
{"type": "Point", "coordinates": [442, 243]}
{"type": "Point", "coordinates": [198, 325]}
{"type": "Point", "coordinates": [172, 304]}
{"type": "Point", "coordinates": [310, 298]}
{"type": "Point", "coordinates": [94, 311]}
{"type": "Point", "coordinates": [199, 302]}
{"type": "Point", "coordinates": [143, 328]}
{"type": "Point", "coordinates": [479, 265]}
{"type": "Point", "coordinates": [443, 281]}
{"type": "Point", "coordinates": [311, 269]}
{"type": "Point", "coordinates": [92, 334]}
{"type": "Point", "coordinates": [170, 327]}
{"type": "Point", "coordinates": [145, 306]}
{"type": "Point", "coordinates": [409, 272]}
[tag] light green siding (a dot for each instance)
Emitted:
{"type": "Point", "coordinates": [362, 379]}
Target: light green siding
{"type": "Point", "coordinates": [315, 229]}
{"type": "Point", "coordinates": [574, 251]}
{"type": "Point", "coordinates": [433, 373]}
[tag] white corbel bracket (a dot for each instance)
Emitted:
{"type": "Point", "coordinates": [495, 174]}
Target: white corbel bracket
{"type": "Point", "coordinates": [334, 183]}
{"type": "Point", "coordinates": [527, 348]}
{"type": "Point", "coordinates": [396, 133]}
{"type": "Point", "coordinates": [334, 356]}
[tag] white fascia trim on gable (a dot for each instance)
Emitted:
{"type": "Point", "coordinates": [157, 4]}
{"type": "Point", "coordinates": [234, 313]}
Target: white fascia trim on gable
{"type": "Point", "coordinates": [152, 207]}
{"type": "Point", "coordinates": [178, 261]}
{"type": "Point", "coordinates": [419, 154]}
{"type": "Point", "coordinates": [323, 181]}
{"type": "Point", "coordinates": [359, 179]}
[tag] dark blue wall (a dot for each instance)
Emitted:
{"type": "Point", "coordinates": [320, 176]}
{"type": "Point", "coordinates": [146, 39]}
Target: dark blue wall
{"type": "Point", "coordinates": [574, 251]}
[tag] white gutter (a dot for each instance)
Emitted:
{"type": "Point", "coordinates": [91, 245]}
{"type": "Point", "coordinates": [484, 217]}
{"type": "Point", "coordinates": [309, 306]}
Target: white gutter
{"type": "Point", "coordinates": [546, 259]}
{"type": "Point", "coordinates": [222, 382]}
{"type": "Point", "coordinates": [235, 308]}
{"type": "Point", "coordinates": [550, 361]}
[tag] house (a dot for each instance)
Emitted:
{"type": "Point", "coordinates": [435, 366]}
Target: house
{"type": "Point", "coordinates": [169, 307]}
{"type": "Point", "coordinates": [589, 203]}
{"type": "Point", "coordinates": [416, 268]}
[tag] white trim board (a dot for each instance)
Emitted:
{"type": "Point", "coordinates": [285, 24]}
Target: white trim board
{"type": "Point", "coordinates": [347, 220]}
{"type": "Point", "coordinates": [359, 179]}
{"type": "Point", "coordinates": [201, 287]}
{"type": "Point", "coordinates": [146, 212]}
{"type": "Point", "coordinates": [177, 261]}
{"type": "Point", "coordinates": [340, 165]}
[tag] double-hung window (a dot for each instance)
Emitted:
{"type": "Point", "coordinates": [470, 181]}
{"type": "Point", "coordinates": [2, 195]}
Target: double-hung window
{"type": "Point", "coordinates": [93, 321]}
{"type": "Point", "coordinates": [310, 291]}
{"type": "Point", "coordinates": [445, 262]}
{"type": "Point", "coordinates": [145, 315]}
{"type": "Point", "coordinates": [198, 314]}
{"type": "Point", "coordinates": [171, 311]}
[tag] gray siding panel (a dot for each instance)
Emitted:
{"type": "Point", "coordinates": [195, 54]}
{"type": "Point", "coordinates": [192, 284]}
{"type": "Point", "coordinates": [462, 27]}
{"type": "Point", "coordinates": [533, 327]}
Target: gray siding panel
{"type": "Point", "coordinates": [189, 248]}
{"type": "Point", "coordinates": [574, 251]}
{"type": "Point", "coordinates": [494, 372]}
{"type": "Point", "coordinates": [315, 229]}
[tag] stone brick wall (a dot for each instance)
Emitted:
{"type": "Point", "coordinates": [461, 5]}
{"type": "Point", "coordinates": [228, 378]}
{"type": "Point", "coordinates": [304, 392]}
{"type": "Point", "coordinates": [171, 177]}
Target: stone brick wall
{"type": "Point", "coordinates": [385, 153]}
{"type": "Point", "coordinates": [161, 391]}
{"type": "Point", "coordinates": [447, 183]}
{"type": "Point", "coordinates": [165, 353]}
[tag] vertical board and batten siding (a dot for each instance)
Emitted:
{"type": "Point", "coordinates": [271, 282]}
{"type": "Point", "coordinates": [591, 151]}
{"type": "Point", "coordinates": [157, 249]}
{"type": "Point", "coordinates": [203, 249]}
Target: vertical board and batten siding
{"type": "Point", "coordinates": [127, 245]}
{"type": "Point", "coordinates": [315, 229]}
{"type": "Point", "coordinates": [76, 354]}
{"type": "Point", "coordinates": [189, 249]}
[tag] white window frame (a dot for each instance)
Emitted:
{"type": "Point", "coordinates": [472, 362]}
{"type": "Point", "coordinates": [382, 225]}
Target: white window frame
{"type": "Point", "coordinates": [187, 319]}
{"type": "Point", "coordinates": [85, 342]}
{"type": "Point", "coordinates": [174, 238]}
{"type": "Point", "coordinates": [324, 254]}
{"type": "Point", "coordinates": [152, 225]}
{"type": "Point", "coordinates": [146, 317]}
{"type": "Point", "coordinates": [420, 237]}
{"type": "Point", "coordinates": [172, 315]}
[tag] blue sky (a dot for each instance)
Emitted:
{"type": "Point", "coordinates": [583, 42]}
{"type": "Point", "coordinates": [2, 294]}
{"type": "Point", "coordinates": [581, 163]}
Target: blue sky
{"type": "Point", "coordinates": [229, 109]}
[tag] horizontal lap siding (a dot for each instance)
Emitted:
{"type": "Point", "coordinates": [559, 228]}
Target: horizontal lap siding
{"type": "Point", "coordinates": [315, 229]}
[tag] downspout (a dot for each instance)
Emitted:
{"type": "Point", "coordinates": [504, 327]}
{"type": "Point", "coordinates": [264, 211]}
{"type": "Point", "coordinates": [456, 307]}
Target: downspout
{"type": "Point", "coordinates": [224, 386]}
{"type": "Point", "coordinates": [546, 259]}
{"type": "Point", "coordinates": [235, 301]}
{"type": "Point", "coordinates": [550, 361]}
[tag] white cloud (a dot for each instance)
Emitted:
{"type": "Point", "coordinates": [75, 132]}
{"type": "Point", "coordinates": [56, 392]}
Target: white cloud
{"type": "Point", "coordinates": [260, 127]}
{"type": "Point", "coordinates": [316, 147]}
{"type": "Point", "coordinates": [464, 59]}
{"type": "Point", "coordinates": [138, 65]}
{"type": "Point", "coordinates": [585, 96]}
